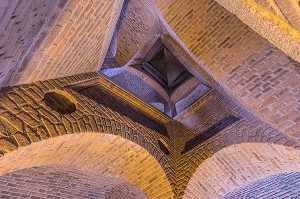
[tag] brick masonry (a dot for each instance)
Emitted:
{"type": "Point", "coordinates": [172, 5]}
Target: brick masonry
{"type": "Point", "coordinates": [37, 41]}
{"type": "Point", "coordinates": [23, 26]}
{"type": "Point", "coordinates": [96, 153]}
{"type": "Point", "coordinates": [239, 165]}
{"type": "Point", "coordinates": [284, 32]}
{"type": "Point", "coordinates": [277, 186]}
{"type": "Point", "coordinates": [26, 118]}
{"type": "Point", "coordinates": [249, 129]}
{"type": "Point", "coordinates": [138, 21]}
{"type": "Point", "coordinates": [252, 80]}
{"type": "Point", "coordinates": [64, 182]}
{"type": "Point", "coordinates": [251, 70]}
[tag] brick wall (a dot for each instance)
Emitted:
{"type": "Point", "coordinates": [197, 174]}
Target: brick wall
{"type": "Point", "coordinates": [64, 182]}
{"type": "Point", "coordinates": [23, 26]}
{"type": "Point", "coordinates": [249, 129]}
{"type": "Point", "coordinates": [42, 37]}
{"type": "Point", "coordinates": [26, 118]}
{"type": "Point", "coordinates": [250, 69]}
{"type": "Point", "coordinates": [278, 30]}
{"type": "Point", "coordinates": [238, 165]}
{"type": "Point", "coordinates": [138, 22]}
{"type": "Point", "coordinates": [99, 153]}
{"type": "Point", "coordinates": [285, 185]}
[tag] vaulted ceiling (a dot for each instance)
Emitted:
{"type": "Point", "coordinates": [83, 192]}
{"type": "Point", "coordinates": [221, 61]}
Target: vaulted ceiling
{"type": "Point", "coordinates": [241, 58]}
{"type": "Point", "coordinates": [249, 49]}
{"type": "Point", "coordinates": [47, 39]}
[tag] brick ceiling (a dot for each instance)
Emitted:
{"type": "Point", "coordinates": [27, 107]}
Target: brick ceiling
{"type": "Point", "coordinates": [246, 65]}
{"type": "Point", "coordinates": [247, 51]}
{"type": "Point", "coordinates": [278, 21]}
{"type": "Point", "coordinates": [46, 39]}
{"type": "Point", "coordinates": [249, 54]}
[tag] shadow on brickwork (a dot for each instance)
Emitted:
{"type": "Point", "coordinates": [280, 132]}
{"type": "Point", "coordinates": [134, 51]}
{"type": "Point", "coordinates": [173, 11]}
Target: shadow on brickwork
{"type": "Point", "coordinates": [248, 129]}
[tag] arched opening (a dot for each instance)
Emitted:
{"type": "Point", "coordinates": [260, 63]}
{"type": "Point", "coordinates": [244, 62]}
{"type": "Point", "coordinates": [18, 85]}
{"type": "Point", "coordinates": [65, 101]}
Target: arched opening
{"type": "Point", "coordinates": [101, 154]}
{"type": "Point", "coordinates": [239, 165]}
{"type": "Point", "coordinates": [65, 182]}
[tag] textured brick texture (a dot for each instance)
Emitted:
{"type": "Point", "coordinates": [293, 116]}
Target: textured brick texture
{"type": "Point", "coordinates": [249, 129]}
{"type": "Point", "coordinates": [250, 69]}
{"type": "Point", "coordinates": [280, 31]}
{"type": "Point", "coordinates": [64, 182]}
{"type": "Point", "coordinates": [238, 165]}
{"type": "Point", "coordinates": [284, 185]}
{"type": "Point", "coordinates": [138, 21]}
{"type": "Point", "coordinates": [99, 153]}
{"type": "Point", "coordinates": [252, 80]}
{"type": "Point", "coordinates": [38, 38]}
{"type": "Point", "coordinates": [23, 26]}
{"type": "Point", "coordinates": [26, 119]}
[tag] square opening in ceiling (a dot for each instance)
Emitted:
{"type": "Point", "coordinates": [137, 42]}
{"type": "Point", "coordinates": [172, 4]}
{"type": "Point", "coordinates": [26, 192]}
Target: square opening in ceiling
{"type": "Point", "coordinates": [165, 68]}
{"type": "Point", "coordinates": [159, 77]}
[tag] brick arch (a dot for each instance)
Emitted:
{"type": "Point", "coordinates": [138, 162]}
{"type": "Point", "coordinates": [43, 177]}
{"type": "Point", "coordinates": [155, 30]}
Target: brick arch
{"type": "Point", "coordinates": [249, 129]}
{"type": "Point", "coordinates": [96, 152]}
{"type": "Point", "coordinates": [65, 182]}
{"type": "Point", "coordinates": [26, 118]}
{"type": "Point", "coordinates": [239, 165]}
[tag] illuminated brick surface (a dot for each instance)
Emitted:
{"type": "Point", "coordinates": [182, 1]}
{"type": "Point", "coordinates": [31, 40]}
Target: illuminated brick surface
{"type": "Point", "coordinates": [61, 182]}
{"type": "Point", "coordinates": [248, 51]}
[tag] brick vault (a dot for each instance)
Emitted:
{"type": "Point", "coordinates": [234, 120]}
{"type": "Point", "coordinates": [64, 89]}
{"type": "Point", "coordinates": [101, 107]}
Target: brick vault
{"type": "Point", "coordinates": [149, 99]}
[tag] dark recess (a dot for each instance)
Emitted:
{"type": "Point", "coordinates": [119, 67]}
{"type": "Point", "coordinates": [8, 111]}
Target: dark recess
{"type": "Point", "coordinates": [59, 103]}
{"type": "Point", "coordinates": [112, 101]}
{"type": "Point", "coordinates": [163, 147]}
{"type": "Point", "coordinates": [213, 130]}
